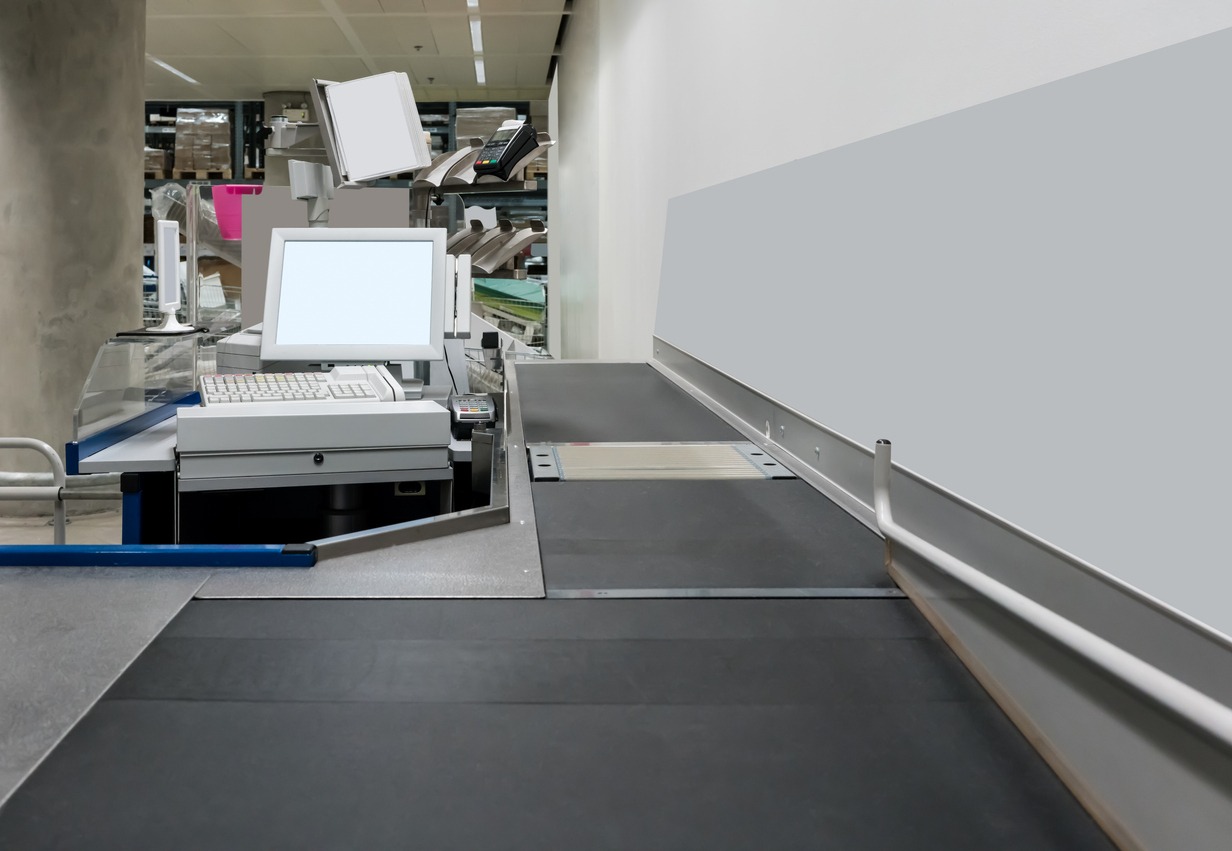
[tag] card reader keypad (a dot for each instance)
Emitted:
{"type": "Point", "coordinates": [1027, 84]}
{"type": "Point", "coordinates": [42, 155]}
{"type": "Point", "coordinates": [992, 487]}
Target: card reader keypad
{"type": "Point", "coordinates": [476, 407]}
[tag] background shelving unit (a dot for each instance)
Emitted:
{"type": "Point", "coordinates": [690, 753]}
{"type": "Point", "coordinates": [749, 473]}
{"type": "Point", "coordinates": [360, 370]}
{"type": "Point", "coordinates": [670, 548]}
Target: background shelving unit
{"type": "Point", "coordinates": [517, 201]}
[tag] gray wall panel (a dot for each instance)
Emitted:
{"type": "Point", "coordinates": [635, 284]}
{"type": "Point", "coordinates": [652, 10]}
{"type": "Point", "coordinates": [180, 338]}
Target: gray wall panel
{"type": "Point", "coordinates": [1041, 279]}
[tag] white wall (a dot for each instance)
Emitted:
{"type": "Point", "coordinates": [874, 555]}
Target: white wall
{"type": "Point", "coordinates": [574, 239]}
{"type": "Point", "coordinates": [657, 99]}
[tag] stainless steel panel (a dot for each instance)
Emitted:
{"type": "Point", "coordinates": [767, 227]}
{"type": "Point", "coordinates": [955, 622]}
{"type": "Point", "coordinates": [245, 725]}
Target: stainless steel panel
{"type": "Point", "coordinates": [834, 464]}
{"type": "Point", "coordinates": [639, 461]}
{"type": "Point", "coordinates": [1132, 764]}
{"type": "Point", "coordinates": [66, 634]}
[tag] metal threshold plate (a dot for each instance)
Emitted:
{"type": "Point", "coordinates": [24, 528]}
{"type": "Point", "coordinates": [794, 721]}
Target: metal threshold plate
{"type": "Point", "coordinates": [597, 462]}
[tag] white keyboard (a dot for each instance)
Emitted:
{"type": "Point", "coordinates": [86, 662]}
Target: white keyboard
{"type": "Point", "coordinates": [343, 384]}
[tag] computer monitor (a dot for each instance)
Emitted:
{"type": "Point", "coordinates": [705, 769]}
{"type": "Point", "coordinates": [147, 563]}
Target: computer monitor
{"type": "Point", "coordinates": [355, 295]}
{"type": "Point", "coordinates": [167, 264]}
{"type": "Point", "coordinates": [370, 127]}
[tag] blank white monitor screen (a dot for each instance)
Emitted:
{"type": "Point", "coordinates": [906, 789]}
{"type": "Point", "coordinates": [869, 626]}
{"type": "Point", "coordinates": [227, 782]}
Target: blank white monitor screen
{"type": "Point", "coordinates": [350, 298]}
{"type": "Point", "coordinates": [344, 293]}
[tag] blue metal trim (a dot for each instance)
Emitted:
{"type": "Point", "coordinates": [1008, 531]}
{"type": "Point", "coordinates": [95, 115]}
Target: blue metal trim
{"type": "Point", "coordinates": [157, 555]}
{"type": "Point", "coordinates": [78, 450]}
{"type": "Point", "coordinates": [130, 518]}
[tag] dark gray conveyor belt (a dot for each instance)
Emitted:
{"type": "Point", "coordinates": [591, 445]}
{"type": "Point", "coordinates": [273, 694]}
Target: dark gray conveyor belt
{"type": "Point", "coordinates": [836, 722]}
{"type": "Point", "coordinates": [597, 724]}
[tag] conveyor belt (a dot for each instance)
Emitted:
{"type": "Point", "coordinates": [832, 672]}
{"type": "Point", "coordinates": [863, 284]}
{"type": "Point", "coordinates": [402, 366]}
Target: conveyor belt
{"type": "Point", "coordinates": [549, 724]}
{"type": "Point", "coordinates": [596, 724]}
{"type": "Point", "coordinates": [677, 536]}
{"type": "Point", "coordinates": [607, 402]}
{"type": "Point", "coordinates": [701, 535]}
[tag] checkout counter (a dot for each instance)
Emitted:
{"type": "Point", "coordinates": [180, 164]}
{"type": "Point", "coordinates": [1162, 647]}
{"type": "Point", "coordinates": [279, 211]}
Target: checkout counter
{"type": "Point", "coordinates": [360, 414]}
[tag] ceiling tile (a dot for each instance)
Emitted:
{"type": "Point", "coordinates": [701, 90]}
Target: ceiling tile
{"type": "Point", "coordinates": [533, 70]}
{"type": "Point", "coordinates": [368, 7]}
{"type": "Point", "coordinates": [231, 7]}
{"type": "Point", "coordinates": [263, 75]}
{"type": "Point", "coordinates": [172, 89]}
{"type": "Point", "coordinates": [241, 48]}
{"type": "Point", "coordinates": [289, 36]}
{"type": "Point", "coordinates": [402, 6]}
{"type": "Point", "coordinates": [390, 35]}
{"type": "Point", "coordinates": [298, 73]}
{"type": "Point", "coordinates": [211, 71]}
{"type": "Point", "coordinates": [519, 34]}
{"type": "Point", "coordinates": [447, 70]}
{"type": "Point", "coordinates": [453, 35]}
{"type": "Point", "coordinates": [515, 6]}
{"type": "Point", "coordinates": [183, 37]}
{"type": "Point", "coordinates": [436, 93]}
{"type": "Point", "coordinates": [385, 64]}
{"type": "Point", "coordinates": [555, 6]}
{"type": "Point", "coordinates": [501, 71]}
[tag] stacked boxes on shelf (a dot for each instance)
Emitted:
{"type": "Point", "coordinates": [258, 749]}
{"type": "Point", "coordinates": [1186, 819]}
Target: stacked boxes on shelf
{"type": "Point", "coordinates": [156, 159]}
{"type": "Point", "coordinates": [202, 140]}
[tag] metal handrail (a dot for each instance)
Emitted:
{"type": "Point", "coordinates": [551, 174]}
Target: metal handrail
{"type": "Point", "coordinates": [1183, 700]}
{"type": "Point", "coordinates": [53, 492]}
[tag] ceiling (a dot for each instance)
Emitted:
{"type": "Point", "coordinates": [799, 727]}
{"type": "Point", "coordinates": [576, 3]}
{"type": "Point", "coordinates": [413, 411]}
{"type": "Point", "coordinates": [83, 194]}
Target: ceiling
{"type": "Point", "coordinates": [239, 49]}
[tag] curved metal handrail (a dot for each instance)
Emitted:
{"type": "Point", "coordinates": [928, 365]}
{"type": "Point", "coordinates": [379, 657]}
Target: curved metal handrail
{"type": "Point", "coordinates": [53, 492]}
{"type": "Point", "coordinates": [1183, 700]}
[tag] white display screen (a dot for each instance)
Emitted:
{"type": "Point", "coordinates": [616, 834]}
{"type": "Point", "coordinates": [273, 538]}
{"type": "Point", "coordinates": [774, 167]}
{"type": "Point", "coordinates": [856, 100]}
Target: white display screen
{"type": "Point", "coordinates": [349, 293]}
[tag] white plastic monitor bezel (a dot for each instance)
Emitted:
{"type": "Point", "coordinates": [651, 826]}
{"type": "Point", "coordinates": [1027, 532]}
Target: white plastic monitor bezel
{"type": "Point", "coordinates": [433, 350]}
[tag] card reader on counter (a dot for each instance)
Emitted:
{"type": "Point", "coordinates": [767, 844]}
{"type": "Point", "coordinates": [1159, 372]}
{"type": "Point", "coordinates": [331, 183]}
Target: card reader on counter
{"type": "Point", "coordinates": [470, 410]}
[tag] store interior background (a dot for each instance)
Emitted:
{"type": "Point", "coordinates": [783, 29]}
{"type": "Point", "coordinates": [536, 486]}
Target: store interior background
{"type": "Point", "coordinates": [650, 101]}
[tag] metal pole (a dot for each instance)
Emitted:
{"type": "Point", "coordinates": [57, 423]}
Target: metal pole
{"type": "Point", "coordinates": [1183, 700]}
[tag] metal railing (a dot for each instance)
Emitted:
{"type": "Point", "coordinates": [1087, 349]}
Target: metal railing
{"type": "Point", "coordinates": [1183, 700]}
{"type": "Point", "coordinates": [58, 491]}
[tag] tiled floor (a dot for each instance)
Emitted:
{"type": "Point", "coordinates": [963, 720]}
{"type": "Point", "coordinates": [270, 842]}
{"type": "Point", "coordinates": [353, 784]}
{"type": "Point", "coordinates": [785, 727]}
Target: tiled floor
{"type": "Point", "coordinates": [100, 528]}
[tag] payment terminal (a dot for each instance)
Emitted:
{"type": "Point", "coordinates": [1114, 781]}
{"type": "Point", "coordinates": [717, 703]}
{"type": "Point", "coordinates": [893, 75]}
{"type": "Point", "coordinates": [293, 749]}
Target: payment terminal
{"type": "Point", "coordinates": [508, 145]}
{"type": "Point", "coordinates": [470, 410]}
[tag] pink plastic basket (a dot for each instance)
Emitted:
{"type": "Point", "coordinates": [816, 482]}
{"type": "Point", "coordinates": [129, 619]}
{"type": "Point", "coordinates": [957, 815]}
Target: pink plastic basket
{"type": "Point", "coordinates": [228, 207]}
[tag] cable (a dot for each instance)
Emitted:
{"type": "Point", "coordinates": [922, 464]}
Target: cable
{"type": "Point", "coordinates": [450, 368]}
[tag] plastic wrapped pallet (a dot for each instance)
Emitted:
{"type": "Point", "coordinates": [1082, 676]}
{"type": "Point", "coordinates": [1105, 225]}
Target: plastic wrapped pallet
{"type": "Point", "coordinates": [155, 159]}
{"type": "Point", "coordinates": [202, 140]}
{"type": "Point", "coordinates": [481, 121]}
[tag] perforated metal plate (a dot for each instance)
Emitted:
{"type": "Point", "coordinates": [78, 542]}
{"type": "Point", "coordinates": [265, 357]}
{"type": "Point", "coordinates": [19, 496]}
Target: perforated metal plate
{"type": "Point", "coordinates": [576, 462]}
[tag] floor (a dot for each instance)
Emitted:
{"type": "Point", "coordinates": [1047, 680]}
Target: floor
{"type": "Point", "coordinates": [102, 527]}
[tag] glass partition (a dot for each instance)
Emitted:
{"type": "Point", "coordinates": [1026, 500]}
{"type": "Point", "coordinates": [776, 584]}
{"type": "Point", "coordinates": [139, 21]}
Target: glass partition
{"type": "Point", "coordinates": [209, 219]}
{"type": "Point", "coordinates": [133, 375]}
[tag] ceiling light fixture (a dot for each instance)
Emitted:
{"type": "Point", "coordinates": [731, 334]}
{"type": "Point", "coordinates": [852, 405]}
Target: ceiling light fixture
{"type": "Point", "coordinates": [476, 35]}
{"type": "Point", "coordinates": [161, 64]}
{"type": "Point", "coordinates": [472, 6]}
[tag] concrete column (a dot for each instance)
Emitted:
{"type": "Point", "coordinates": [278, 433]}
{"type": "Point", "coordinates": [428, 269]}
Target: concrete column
{"type": "Point", "coordinates": [71, 134]}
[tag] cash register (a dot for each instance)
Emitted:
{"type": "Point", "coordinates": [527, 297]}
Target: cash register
{"type": "Point", "coordinates": [332, 418]}
{"type": "Point", "coordinates": [351, 309]}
